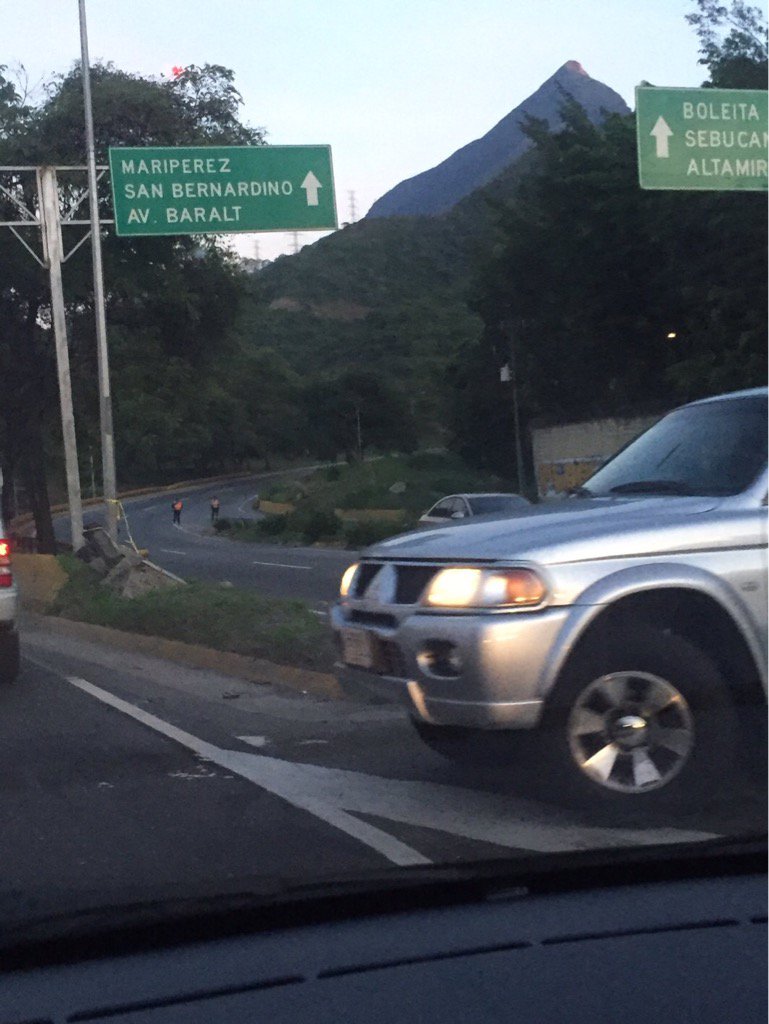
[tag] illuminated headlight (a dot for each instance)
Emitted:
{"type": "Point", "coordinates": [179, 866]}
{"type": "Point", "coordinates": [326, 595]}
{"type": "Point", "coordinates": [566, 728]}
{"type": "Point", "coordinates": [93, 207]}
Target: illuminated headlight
{"type": "Point", "coordinates": [347, 578]}
{"type": "Point", "coordinates": [485, 588]}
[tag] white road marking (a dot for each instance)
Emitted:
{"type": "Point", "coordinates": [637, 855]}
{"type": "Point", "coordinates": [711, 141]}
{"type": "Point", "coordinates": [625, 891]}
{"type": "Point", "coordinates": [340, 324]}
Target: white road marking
{"type": "Point", "coordinates": [285, 565]}
{"type": "Point", "coordinates": [259, 770]}
{"type": "Point", "coordinates": [248, 501]}
{"type": "Point", "coordinates": [255, 741]}
{"type": "Point", "coordinates": [173, 551]}
{"type": "Point", "coordinates": [316, 611]}
{"type": "Point", "coordinates": [335, 794]}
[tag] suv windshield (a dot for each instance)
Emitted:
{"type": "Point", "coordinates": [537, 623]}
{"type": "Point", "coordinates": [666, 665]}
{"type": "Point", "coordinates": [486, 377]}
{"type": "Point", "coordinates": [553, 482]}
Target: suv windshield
{"type": "Point", "coordinates": [717, 448]}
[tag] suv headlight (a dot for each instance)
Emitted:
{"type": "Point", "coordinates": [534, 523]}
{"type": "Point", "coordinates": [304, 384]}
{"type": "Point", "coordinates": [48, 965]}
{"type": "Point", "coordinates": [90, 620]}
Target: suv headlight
{"type": "Point", "coordinates": [464, 587]}
{"type": "Point", "coordinates": [347, 578]}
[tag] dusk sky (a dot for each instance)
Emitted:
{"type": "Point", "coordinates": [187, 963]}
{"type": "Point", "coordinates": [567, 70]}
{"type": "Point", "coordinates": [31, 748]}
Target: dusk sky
{"type": "Point", "coordinates": [394, 86]}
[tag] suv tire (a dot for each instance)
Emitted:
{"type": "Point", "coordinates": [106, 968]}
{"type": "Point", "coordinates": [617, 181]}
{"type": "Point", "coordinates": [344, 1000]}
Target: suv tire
{"type": "Point", "coordinates": [640, 718]}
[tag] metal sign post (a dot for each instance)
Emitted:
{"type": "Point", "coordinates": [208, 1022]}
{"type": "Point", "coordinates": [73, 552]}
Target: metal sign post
{"type": "Point", "coordinates": [53, 253]}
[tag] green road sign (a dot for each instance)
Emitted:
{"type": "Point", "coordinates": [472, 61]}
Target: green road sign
{"type": "Point", "coordinates": [702, 138]}
{"type": "Point", "coordinates": [192, 190]}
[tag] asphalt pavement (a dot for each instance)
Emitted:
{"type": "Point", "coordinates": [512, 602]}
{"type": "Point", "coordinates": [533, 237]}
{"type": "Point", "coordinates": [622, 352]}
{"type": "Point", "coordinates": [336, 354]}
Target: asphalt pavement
{"type": "Point", "coordinates": [122, 775]}
{"type": "Point", "coordinates": [193, 551]}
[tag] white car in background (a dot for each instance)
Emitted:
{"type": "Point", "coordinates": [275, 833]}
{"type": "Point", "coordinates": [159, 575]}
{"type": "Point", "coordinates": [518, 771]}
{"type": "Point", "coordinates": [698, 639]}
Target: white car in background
{"type": "Point", "coordinates": [465, 506]}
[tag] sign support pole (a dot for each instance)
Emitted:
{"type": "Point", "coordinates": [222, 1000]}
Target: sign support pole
{"type": "Point", "coordinates": [109, 476]}
{"type": "Point", "coordinates": [52, 247]}
{"type": "Point", "coordinates": [509, 329]}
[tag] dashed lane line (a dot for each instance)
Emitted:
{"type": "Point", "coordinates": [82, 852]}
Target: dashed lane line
{"type": "Point", "coordinates": [285, 565]}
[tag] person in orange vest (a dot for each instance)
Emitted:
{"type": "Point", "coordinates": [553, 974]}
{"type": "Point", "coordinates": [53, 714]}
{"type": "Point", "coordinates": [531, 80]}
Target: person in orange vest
{"type": "Point", "coordinates": [214, 509]}
{"type": "Point", "coordinates": [177, 507]}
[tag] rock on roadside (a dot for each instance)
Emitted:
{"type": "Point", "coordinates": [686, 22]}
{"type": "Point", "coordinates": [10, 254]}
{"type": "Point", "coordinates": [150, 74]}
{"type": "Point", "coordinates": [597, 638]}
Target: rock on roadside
{"type": "Point", "coordinates": [122, 569]}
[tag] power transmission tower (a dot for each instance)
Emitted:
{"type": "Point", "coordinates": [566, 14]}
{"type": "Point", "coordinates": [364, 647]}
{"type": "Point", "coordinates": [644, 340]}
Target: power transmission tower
{"type": "Point", "coordinates": [295, 242]}
{"type": "Point", "coordinates": [353, 207]}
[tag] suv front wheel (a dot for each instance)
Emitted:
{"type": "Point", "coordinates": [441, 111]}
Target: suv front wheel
{"type": "Point", "coordinates": [640, 716]}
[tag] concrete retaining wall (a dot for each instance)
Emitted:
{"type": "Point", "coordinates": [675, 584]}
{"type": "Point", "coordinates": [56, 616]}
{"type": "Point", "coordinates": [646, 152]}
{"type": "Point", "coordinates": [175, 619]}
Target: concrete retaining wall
{"type": "Point", "coordinates": [565, 456]}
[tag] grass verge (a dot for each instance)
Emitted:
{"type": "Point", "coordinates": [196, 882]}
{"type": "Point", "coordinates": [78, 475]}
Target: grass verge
{"type": "Point", "coordinates": [224, 618]}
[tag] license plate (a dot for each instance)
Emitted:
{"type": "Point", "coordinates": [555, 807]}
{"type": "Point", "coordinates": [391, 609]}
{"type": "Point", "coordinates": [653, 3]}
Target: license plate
{"type": "Point", "coordinates": [358, 648]}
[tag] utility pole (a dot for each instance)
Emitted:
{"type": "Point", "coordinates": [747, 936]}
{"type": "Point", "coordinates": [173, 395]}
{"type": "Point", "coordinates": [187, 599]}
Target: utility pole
{"type": "Point", "coordinates": [509, 331]}
{"type": "Point", "coordinates": [109, 476]}
{"type": "Point", "coordinates": [359, 433]}
{"type": "Point", "coordinates": [48, 194]}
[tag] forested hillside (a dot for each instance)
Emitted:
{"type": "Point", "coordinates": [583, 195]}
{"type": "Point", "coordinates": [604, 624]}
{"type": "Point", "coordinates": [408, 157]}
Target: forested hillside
{"type": "Point", "coordinates": [389, 334]}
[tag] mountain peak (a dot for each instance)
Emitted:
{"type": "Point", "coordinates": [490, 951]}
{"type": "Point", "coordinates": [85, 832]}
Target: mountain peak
{"type": "Point", "coordinates": [435, 191]}
{"type": "Point", "coordinates": [571, 67]}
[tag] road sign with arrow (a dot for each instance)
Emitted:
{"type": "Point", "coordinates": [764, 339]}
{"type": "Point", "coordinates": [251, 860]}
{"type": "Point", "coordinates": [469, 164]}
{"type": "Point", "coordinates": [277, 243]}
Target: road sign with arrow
{"type": "Point", "coordinates": [702, 138]}
{"type": "Point", "coordinates": [188, 190]}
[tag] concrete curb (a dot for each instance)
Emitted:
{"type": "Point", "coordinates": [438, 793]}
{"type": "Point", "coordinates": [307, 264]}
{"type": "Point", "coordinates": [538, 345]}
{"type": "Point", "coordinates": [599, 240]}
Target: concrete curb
{"type": "Point", "coordinates": [253, 670]}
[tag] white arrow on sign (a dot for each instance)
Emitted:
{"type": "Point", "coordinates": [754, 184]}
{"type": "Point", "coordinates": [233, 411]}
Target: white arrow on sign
{"type": "Point", "coordinates": [661, 132]}
{"type": "Point", "coordinates": [311, 186]}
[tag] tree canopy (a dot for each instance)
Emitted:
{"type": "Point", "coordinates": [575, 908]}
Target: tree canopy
{"type": "Point", "coordinates": [620, 300]}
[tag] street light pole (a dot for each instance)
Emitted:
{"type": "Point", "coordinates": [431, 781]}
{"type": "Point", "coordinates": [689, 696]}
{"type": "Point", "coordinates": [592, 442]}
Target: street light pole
{"type": "Point", "coordinates": [509, 330]}
{"type": "Point", "coordinates": [109, 479]}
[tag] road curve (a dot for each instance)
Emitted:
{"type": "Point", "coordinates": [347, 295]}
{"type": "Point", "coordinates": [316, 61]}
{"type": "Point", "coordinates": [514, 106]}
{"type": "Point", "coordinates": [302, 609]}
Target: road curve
{"type": "Point", "coordinates": [192, 551]}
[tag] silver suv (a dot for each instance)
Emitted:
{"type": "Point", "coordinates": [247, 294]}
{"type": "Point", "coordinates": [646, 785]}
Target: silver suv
{"type": "Point", "coordinates": [626, 625]}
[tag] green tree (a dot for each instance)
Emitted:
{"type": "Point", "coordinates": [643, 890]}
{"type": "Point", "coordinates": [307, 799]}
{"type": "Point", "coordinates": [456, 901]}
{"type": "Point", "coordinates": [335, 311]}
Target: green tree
{"type": "Point", "coordinates": [358, 411]}
{"type": "Point", "coordinates": [733, 43]}
{"type": "Point", "coordinates": [621, 300]}
{"type": "Point", "coordinates": [171, 302]}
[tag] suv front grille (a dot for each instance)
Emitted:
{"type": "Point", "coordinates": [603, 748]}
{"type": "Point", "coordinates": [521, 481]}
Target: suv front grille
{"type": "Point", "coordinates": [410, 580]}
{"type": "Point", "coordinates": [380, 619]}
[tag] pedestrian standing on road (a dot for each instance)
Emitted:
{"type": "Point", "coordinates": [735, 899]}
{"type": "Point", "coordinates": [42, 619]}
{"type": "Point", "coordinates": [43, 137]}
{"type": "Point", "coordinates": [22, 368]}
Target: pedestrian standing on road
{"type": "Point", "coordinates": [177, 507]}
{"type": "Point", "coordinates": [214, 509]}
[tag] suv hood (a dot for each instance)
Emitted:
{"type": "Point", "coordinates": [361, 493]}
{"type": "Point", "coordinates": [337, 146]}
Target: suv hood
{"type": "Point", "coordinates": [567, 530]}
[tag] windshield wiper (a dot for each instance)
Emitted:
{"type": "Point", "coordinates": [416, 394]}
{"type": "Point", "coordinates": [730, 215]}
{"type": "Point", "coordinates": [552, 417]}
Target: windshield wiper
{"type": "Point", "coordinates": [651, 487]}
{"type": "Point", "coordinates": [580, 492]}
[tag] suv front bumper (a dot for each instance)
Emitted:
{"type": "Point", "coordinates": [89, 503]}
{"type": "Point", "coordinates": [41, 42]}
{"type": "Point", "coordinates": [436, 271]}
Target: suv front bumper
{"type": "Point", "coordinates": [501, 662]}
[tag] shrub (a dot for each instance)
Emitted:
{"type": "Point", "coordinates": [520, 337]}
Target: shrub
{"type": "Point", "coordinates": [272, 526]}
{"type": "Point", "coordinates": [222, 525]}
{"type": "Point", "coordinates": [314, 524]}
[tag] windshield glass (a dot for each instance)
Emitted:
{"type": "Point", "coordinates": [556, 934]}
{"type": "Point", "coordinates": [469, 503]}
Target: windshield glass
{"type": "Point", "coordinates": [315, 321]}
{"type": "Point", "coordinates": [716, 448]}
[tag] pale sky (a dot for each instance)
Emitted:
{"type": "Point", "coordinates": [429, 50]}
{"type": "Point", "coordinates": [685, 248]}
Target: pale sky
{"type": "Point", "coordinates": [394, 86]}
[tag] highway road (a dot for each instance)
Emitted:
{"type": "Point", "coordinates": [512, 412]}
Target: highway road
{"type": "Point", "coordinates": [193, 551]}
{"type": "Point", "coordinates": [123, 776]}
{"type": "Point", "coordinates": [127, 777]}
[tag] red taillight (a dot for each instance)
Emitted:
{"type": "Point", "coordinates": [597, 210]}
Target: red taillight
{"type": "Point", "coordinates": [6, 579]}
{"type": "Point", "coordinates": [5, 552]}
